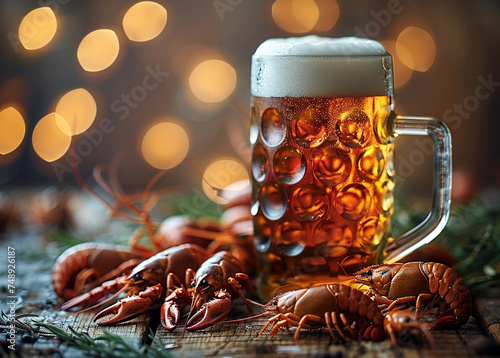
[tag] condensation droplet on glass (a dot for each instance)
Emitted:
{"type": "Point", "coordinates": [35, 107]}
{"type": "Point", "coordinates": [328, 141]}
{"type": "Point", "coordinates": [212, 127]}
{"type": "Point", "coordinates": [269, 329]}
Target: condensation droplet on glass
{"type": "Point", "coordinates": [289, 165]}
{"type": "Point", "coordinates": [353, 128]}
{"type": "Point", "coordinates": [371, 163]}
{"type": "Point", "coordinates": [309, 202]}
{"type": "Point", "coordinates": [309, 129]}
{"type": "Point", "coordinates": [254, 125]}
{"type": "Point", "coordinates": [332, 166]}
{"type": "Point", "coordinates": [260, 163]}
{"type": "Point", "coordinates": [290, 237]}
{"type": "Point", "coordinates": [353, 201]}
{"type": "Point", "coordinates": [272, 127]}
{"type": "Point", "coordinates": [273, 201]}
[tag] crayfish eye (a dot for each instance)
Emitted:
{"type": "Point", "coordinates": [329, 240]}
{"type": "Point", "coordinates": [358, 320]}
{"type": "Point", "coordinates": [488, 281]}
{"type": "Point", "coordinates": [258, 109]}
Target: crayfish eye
{"type": "Point", "coordinates": [138, 277]}
{"type": "Point", "coordinates": [274, 303]}
{"type": "Point", "coordinates": [193, 284]}
{"type": "Point", "coordinates": [204, 283]}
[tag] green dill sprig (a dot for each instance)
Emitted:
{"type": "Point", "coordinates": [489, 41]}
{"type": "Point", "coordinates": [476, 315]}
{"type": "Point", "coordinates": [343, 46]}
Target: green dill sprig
{"type": "Point", "coordinates": [106, 345]}
{"type": "Point", "coordinates": [472, 236]}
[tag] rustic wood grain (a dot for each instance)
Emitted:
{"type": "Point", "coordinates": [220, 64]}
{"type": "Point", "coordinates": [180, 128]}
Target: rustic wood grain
{"type": "Point", "coordinates": [488, 311]}
{"type": "Point", "coordinates": [242, 340]}
{"type": "Point", "coordinates": [135, 330]}
{"type": "Point", "coordinates": [33, 287]}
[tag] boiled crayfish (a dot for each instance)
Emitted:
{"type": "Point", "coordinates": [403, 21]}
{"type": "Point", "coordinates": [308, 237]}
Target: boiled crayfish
{"type": "Point", "coordinates": [427, 285]}
{"type": "Point", "coordinates": [217, 281]}
{"type": "Point", "coordinates": [147, 283]}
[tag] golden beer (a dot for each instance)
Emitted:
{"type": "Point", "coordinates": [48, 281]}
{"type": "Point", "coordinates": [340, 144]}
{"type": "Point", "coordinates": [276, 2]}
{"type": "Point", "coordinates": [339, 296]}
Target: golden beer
{"type": "Point", "coordinates": [323, 184]}
{"type": "Point", "coordinates": [322, 127]}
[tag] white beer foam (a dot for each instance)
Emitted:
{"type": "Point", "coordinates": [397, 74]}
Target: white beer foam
{"type": "Point", "coordinates": [317, 66]}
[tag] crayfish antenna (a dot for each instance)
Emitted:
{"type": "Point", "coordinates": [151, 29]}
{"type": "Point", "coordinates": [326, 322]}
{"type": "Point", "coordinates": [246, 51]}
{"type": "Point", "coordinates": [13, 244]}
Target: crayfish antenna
{"type": "Point", "coordinates": [255, 303]}
{"type": "Point", "coordinates": [263, 314]}
{"type": "Point", "coordinates": [308, 284]}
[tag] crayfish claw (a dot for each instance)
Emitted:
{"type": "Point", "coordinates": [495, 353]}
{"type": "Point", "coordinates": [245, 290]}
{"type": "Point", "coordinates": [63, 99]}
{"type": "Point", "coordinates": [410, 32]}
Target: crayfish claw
{"type": "Point", "coordinates": [125, 309]}
{"type": "Point", "coordinates": [170, 310]}
{"type": "Point", "coordinates": [211, 312]}
{"type": "Point", "coordinates": [170, 315]}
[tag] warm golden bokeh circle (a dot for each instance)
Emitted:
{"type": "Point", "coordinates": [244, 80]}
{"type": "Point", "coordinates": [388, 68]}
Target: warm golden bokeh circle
{"type": "Point", "coordinates": [98, 50]}
{"type": "Point", "coordinates": [165, 145]}
{"type": "Point", "coordinates": [221, 174]}
{"type": "Point", "coordinates": [144, 21]}
{"type": "Point", "coordinates": [49, 141]}
{"type": "Point", "coordinates": [212, 81]}
{"type": "Point", "coordinates": [295, 16]}
{"type": "Point", "coordinates": [329, 13]}
{"type": "Point", "coordinates": [37, 28]}
{"type": "Point", "coordinates": [78, 108]}
{"type": "Point", "coordinates": [12, 130]}
{"type": "Point", "coordinates": [416, 48]}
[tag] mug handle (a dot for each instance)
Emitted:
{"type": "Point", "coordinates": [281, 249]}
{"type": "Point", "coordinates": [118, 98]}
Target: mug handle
{"type": "Point", "coordinates": [437, 218]}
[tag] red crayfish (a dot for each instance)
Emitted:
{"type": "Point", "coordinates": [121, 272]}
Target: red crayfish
{"type": "Point", "coordinates": [426, 284]}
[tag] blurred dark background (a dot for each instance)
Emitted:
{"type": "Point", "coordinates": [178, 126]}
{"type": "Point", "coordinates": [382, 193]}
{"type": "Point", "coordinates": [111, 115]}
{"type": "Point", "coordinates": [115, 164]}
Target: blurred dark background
{"type": "Point", "coordinates": [446, 54]}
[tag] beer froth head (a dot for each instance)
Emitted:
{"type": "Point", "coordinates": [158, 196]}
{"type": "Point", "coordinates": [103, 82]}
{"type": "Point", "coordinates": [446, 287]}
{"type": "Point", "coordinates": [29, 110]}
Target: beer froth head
{"type": "Point", "coordinates": [315, 66]}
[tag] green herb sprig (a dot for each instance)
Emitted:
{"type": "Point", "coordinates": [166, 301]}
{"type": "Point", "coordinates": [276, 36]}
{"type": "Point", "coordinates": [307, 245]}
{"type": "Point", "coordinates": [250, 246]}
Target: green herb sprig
{"type": "Point", "coordinates": [107, 345]}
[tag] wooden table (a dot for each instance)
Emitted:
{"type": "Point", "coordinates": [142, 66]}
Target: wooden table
{"type": "Point", "coordinates": [34, 258]}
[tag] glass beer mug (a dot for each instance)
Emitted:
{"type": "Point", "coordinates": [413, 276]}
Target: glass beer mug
{"type": "Point", "coordinates": [322, 133]}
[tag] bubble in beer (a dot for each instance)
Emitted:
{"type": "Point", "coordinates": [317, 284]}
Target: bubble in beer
{"type": "Point", "coordinates": [332, 166]}
{"type": "Point", "coordinates": [370, 230]}
{"type": "Point", "coordinates": [371, 163]}
{"type": "Point", "coordinates": [338, 238]}
{"type": "Point", "coordinates": [273, 201]}
{"type": "Point", "coordinates": [262, 241]}
{"type": "Point", "coordinates": [353, 201]}
{"type": "Point", "coordinates": [272, 127]}
{"type": "Point", "coordinates": [289, 165]}
{"type": "Point", "coordinates": [290, 237]}
{"type": "Point", "coordinates": [309, 129]}
{"type": "Point", "coordinates": [309, 202]}
{"type": "Point", "coordinates": [254, 126]}
{"type": "Point", "coordinates": [260, 163]}
{"type": "Point", "coordinates": [353, 128]}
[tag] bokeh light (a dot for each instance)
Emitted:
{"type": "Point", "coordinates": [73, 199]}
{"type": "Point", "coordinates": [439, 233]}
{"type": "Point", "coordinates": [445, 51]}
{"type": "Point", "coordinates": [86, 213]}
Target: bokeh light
{"type": "Point", "coordinates": [49, 141]}
{"type": "Point", "coordinates": [12, 130]}
{"type": "Point", "coordinates": [78, 108]}
{"type": "Point", "coordinates": [165, 145]}
{"type": "Point", "coordinates": [402, 73]}
{"type": "Point", "coordinates": [98, 50]}
{"type": "Point", "coordinates": [328, 14]}
{"type": "Point", "coordinates": [37, 28]}
{"type": "Point", "coordinates": [144, 21]}
{"type": "Point", "coordinates": [295, 16]}
{"type": "Point", "coordinates": [416, 48]}
{"type": "Point", "coordinates": [221, 174]}
{"type": "Point", "coordinates": [212, 81]}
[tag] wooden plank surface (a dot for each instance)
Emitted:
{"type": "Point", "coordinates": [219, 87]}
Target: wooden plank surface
{"type": "Point", "coordinates": [488, 312]}
{"type": "Point", "coordinates": [135, 330]}
{"type": "Point", "coordinates": [34, 260]}
{"type": "Point", "coordinates": [242, 340]}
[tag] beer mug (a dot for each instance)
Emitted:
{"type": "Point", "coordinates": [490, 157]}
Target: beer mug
{"type": "Point", "coordinates": [322, 133]}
